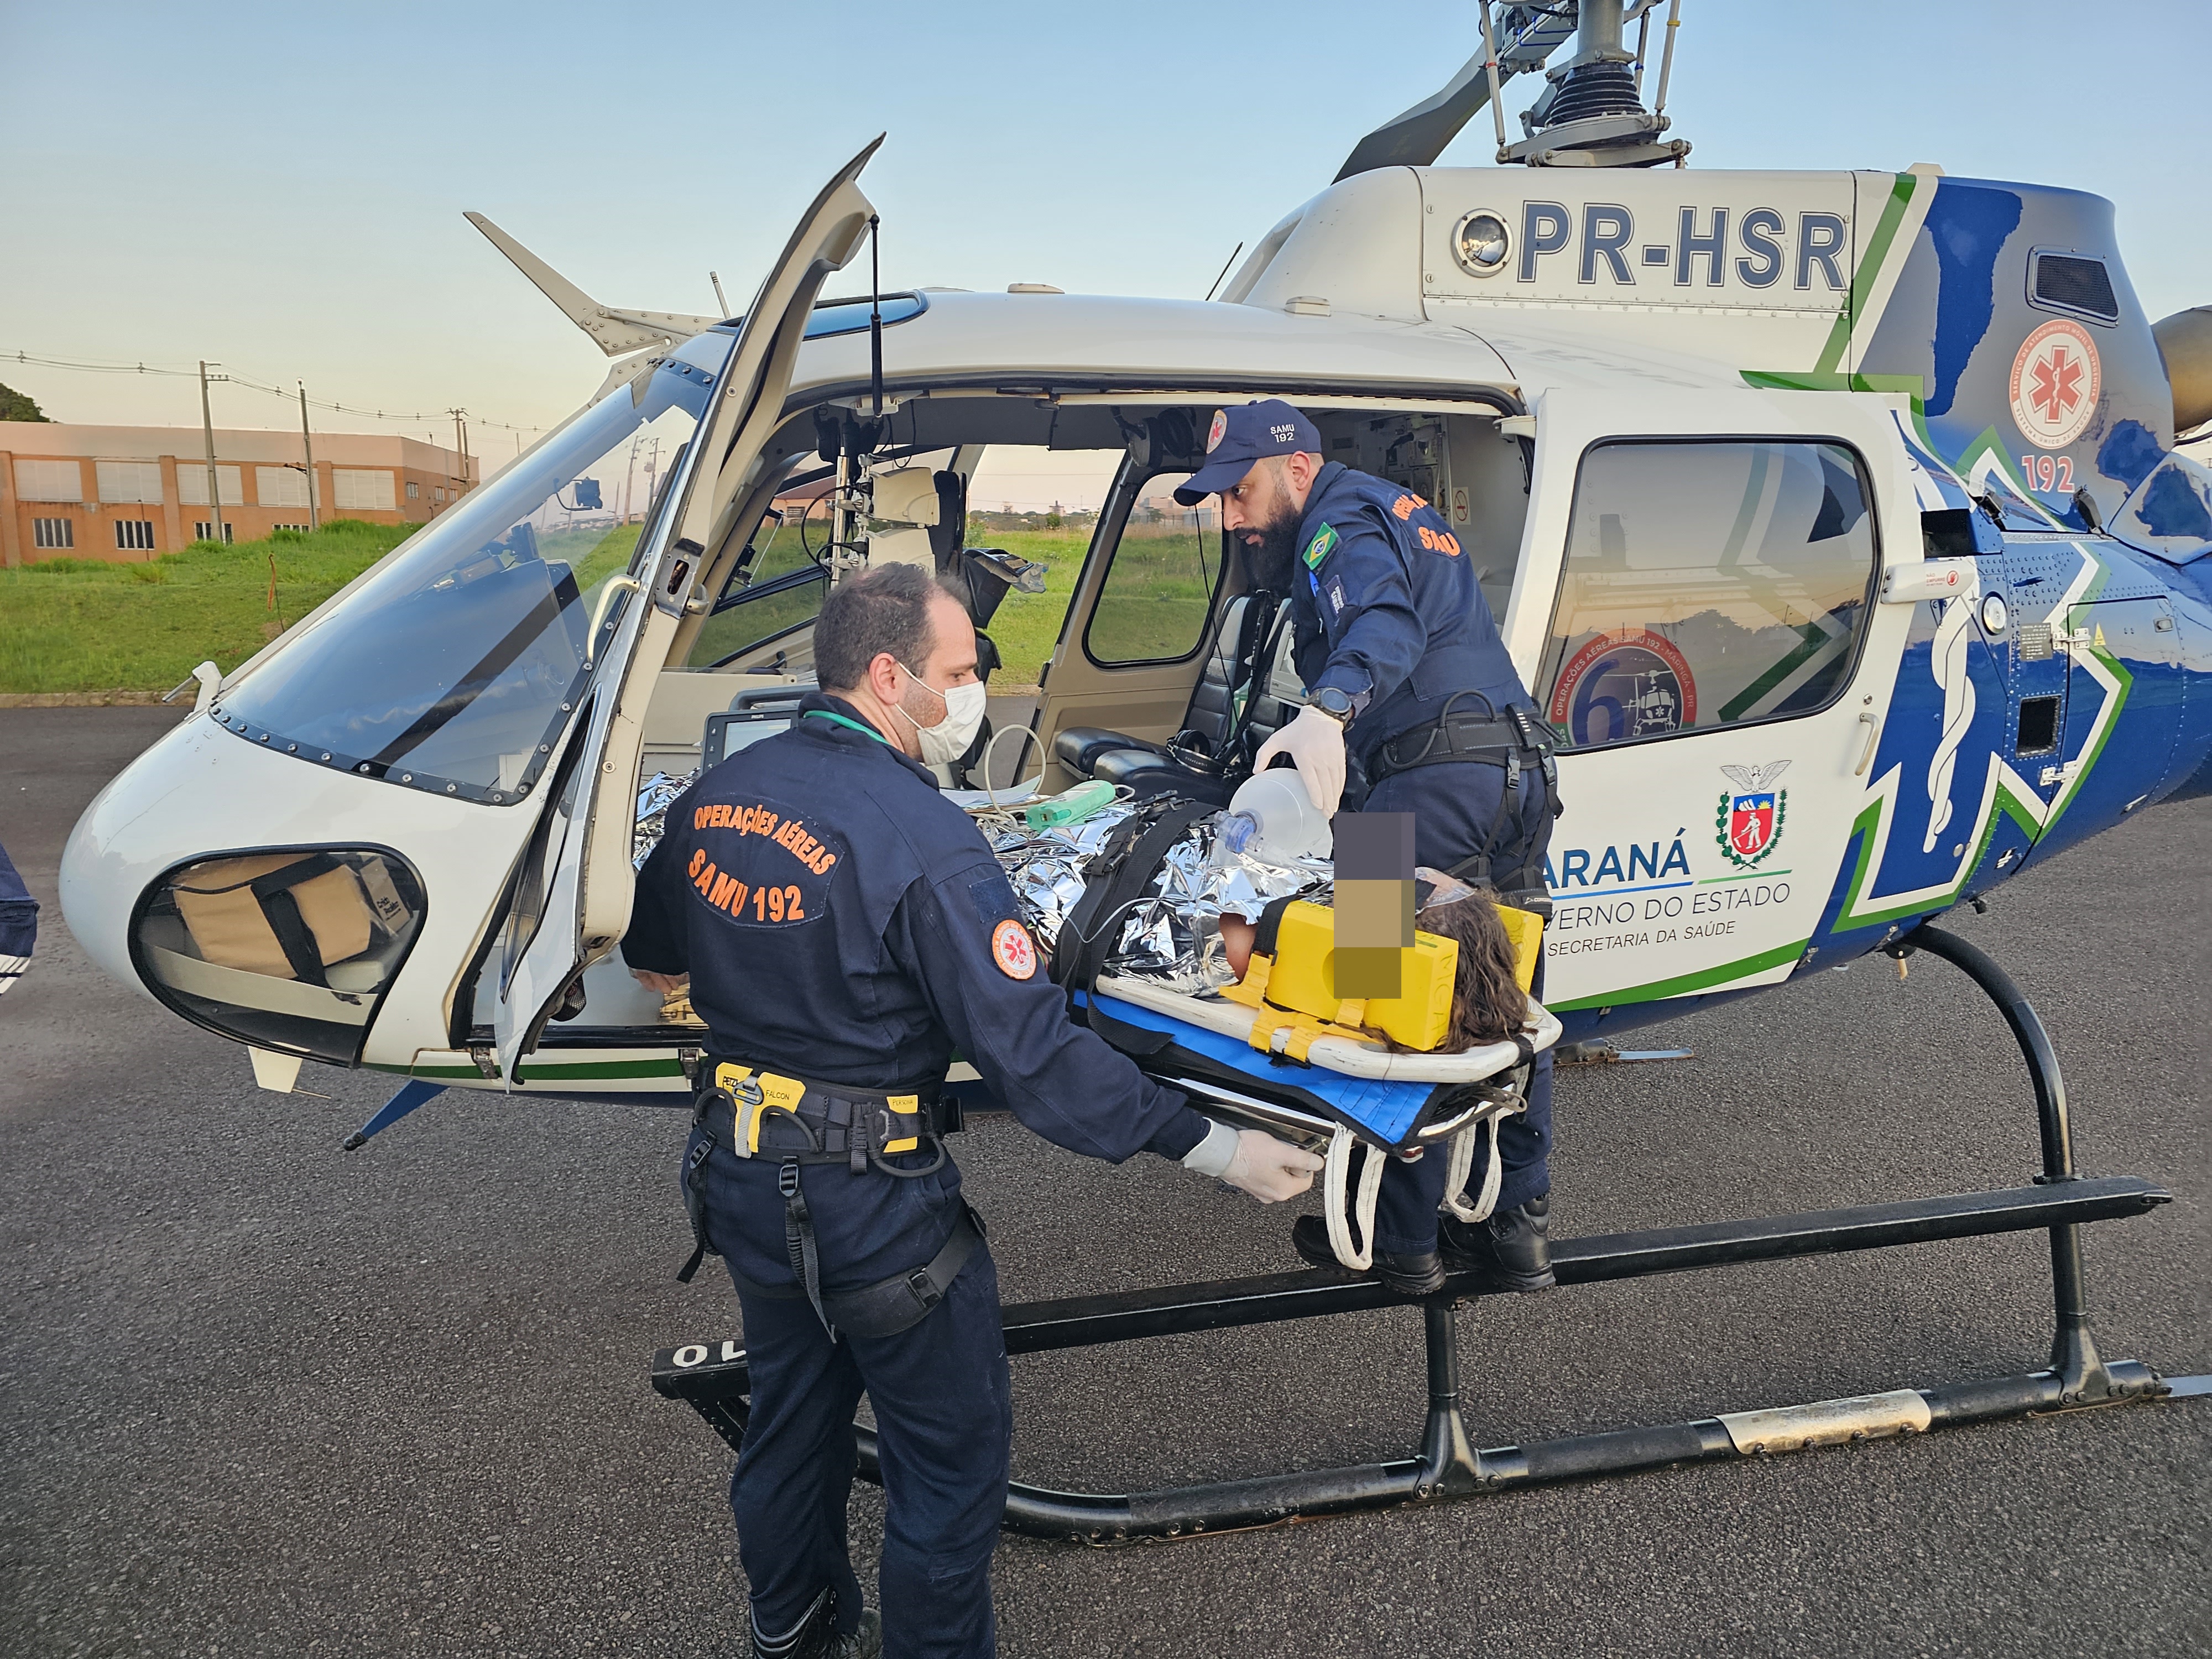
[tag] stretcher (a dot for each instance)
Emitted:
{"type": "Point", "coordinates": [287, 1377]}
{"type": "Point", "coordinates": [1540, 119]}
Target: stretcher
{"type": "Point", "coordinates": [1345, 1096]}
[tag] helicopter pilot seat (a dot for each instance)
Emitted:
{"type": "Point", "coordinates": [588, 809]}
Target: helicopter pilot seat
{"type": "Point", "coordinates": [1244, 692]}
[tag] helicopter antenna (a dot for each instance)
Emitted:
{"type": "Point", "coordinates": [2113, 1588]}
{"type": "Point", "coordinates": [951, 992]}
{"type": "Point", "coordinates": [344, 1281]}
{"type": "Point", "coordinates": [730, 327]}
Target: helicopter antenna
{"type": "Point", "coordinates": [715, 278]}
{"type": "Point", "coordinates": [1225, 264]}
{"type": "Point", "coordinates": [876, 314]}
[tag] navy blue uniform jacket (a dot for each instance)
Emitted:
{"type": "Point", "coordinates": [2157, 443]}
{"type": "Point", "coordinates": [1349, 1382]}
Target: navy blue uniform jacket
{"type": "Point", "coordinates": [843, 922]}
{"type": "Point", "coordinates": [1386, 608]}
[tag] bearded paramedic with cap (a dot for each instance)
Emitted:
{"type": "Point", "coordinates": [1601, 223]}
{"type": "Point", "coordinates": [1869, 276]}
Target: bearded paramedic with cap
{"type": "Point", "coordinates": [1410, 690]}
{"type": "Point", "coordinates": [845, 930]}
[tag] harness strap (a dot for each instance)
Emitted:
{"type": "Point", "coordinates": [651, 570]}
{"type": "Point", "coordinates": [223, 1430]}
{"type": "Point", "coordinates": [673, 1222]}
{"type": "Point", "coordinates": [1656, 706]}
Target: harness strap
{"type": "Point", "coordinates": [1462, 1166]}
{"type": "Point", "coordinates": [695, 1202]}
{"type": "Point", "coordinates": [1120, 875]}
{"type": "Point", "coordinates": [1339, 1215]}
{"type": "Point", "coordinates": [898, 1303]}
{"type": "Point", "coordinates": [799, 1240]}
{"type": "Point", "coordinates": [1503, 1103]}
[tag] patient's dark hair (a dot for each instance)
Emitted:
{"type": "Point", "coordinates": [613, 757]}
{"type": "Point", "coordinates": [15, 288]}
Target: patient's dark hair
{"type": "Point", "coordinates": [886, 609]}
{"type": "Point", "coordinates": [1488, 1005]}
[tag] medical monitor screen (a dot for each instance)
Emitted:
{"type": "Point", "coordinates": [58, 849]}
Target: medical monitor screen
{"type": "Point", "coordinates": [728, 733]}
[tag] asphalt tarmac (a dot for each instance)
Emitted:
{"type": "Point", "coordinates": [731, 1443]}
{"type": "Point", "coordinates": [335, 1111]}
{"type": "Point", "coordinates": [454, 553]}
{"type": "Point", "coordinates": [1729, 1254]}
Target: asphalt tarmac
{"type": "Point", "coordinates": [261, 1397]}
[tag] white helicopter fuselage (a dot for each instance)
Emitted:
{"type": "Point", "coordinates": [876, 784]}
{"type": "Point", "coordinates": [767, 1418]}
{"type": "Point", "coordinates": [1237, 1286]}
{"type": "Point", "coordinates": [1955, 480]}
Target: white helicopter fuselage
{"type": "Point", "coordinates": [1792, 723]}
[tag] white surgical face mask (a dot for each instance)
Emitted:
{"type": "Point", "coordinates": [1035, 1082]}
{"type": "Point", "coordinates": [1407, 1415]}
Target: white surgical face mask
{"type": "Point", "coordinates": [946, 741]}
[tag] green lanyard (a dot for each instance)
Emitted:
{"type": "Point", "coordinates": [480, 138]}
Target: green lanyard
{"type": "Point", "coordinates": [831, 714]}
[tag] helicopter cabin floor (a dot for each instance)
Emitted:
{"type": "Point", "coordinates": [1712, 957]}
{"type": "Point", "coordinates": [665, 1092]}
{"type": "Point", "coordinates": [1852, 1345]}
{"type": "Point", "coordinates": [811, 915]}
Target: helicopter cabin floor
{"type": "Point", "coordinates": [264, 1396]}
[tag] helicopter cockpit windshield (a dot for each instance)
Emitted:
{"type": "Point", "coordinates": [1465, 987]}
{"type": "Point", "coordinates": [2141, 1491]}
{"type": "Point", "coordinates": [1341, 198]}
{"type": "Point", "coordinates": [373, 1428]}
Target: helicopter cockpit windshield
{"type": "Point", "coordinates": [455, 665]}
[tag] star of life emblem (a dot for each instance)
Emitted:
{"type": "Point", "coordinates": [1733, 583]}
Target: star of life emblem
{"type": "Point", "coordinates": [1013, 949]}
{"type": "Point", "coordinates": [2056, 378]}
{"type": "Point", "coordinates": [1214, 433]}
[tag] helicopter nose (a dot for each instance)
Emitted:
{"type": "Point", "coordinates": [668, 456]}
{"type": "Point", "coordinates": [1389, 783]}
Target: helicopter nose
{"type": "Point", "coordinates": [207, 875]}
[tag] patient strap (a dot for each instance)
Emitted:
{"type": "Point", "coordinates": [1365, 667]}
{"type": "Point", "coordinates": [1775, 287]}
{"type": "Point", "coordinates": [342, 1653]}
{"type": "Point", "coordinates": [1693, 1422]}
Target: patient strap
{"type": "Point", "coordinates": [1120, 877]}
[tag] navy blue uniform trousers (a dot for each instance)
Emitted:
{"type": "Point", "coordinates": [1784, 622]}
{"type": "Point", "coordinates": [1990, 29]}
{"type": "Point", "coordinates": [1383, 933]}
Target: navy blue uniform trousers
{"type": "Point", "coordinates": [1454, 807]}
{"type": "Point", "coordinates": [943, 1409]}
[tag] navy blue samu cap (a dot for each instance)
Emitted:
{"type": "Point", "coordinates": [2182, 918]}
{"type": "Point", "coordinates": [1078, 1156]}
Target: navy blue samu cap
{"type": "Point", "coordinates": [1245, 434]}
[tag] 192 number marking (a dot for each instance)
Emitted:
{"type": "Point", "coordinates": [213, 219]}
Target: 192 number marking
{"type": "Point", "coordinates": [777, 904]}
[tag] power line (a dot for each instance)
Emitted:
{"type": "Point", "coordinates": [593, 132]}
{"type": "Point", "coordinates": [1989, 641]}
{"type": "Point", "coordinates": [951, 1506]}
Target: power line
{"type": "Point", "coordinates": [90, 368]}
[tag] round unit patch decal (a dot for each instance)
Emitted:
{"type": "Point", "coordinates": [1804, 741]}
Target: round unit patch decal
{"type": "Point", "coordinates": [1013, 949]}
{"type": "Point", "coordinates": [1628, 684]}
{"type": "Point", "coordinates": [2055, 381]}
{"type": "Point", "coordinates": [1213, 432]}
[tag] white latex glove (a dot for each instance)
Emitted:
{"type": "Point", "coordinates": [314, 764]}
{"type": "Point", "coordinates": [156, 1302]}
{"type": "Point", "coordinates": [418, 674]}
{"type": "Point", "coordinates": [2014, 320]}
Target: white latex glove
{"type": "Point", "coordinates": [1314, 744]}
{"type": "Point", "coordinates": [1255, 1162]}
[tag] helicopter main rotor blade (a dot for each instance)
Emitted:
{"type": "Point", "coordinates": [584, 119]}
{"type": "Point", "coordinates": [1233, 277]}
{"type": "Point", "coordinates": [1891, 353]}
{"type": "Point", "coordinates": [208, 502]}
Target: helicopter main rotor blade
{"type": "Point", "coordinates": [1525, 35]}
{"type": "Point", "coordinates": [1417, 137]}
{"type": "Point", "coordinates": [615, 332]}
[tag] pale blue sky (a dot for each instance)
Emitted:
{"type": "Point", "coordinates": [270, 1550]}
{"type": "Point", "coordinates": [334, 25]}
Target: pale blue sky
{"type": "Point", "coordinates": [281, 187]}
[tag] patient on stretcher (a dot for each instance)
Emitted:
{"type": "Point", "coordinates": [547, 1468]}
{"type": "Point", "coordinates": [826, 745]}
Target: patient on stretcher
{"type": "Point", "coordinates": [1489, 999]}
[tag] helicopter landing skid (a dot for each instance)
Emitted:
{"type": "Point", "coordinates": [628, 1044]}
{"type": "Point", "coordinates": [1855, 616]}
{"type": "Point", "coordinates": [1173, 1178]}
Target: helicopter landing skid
{"type": "Point", "coordinates": [713, 1378]}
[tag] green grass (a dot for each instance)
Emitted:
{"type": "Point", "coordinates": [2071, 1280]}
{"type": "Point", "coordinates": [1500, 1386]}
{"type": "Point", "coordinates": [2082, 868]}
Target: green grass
{"type": "Point", "coordinates": [1025, 627]}
{"type": "Point", "coordinates": [1153, 605]}
{"type": "Point", "coordinates": [86, 625]}
{"type": "Point", "coordinates": [1155, 601]}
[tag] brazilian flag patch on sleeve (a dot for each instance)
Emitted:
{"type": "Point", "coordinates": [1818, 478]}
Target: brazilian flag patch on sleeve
{"type": "Point", "coordinates": [1322, 545]}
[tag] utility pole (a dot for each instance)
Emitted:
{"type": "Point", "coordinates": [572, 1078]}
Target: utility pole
{"type": "Point", "coordinates": [215, 485]}
{"type": "Point", "coordinates": [630, 471]}
{"type": "Point", "coordinates": [460, 447]}
{"type": "Point", "coordinates": [307, 438]}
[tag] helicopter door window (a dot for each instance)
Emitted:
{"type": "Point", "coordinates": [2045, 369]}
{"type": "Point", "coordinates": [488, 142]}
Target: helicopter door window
{"type": "Point", "coordinates": [1706, 585]}
{"type": "Point", "coordinates": [777, 587]}
{"type": "Point", "coordinates": [1158, 593]}
{"type": "Point", "coordinates": [456, 664]}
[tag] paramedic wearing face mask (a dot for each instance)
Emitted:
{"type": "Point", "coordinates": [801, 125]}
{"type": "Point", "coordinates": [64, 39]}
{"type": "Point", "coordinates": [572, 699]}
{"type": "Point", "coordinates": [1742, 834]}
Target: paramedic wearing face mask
{"type": "Point", "coordinates": [845, 929]}
{"type": "Point", "coordinates": [1410, 693]}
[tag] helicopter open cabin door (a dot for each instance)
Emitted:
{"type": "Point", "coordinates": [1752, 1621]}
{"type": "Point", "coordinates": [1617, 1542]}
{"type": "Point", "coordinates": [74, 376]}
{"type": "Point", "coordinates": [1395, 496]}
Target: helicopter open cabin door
{"type": "Point", "coordinates": [1697, 618]}
{"type": "Point", "coordinates": [582, 881]}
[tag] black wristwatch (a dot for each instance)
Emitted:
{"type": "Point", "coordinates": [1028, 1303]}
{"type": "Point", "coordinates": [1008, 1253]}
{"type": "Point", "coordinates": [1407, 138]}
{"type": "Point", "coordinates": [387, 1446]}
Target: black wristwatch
{"type": "Point", "coordinates": [1332, 702]}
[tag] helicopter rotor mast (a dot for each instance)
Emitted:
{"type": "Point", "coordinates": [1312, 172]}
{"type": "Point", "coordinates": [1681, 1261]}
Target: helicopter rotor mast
{"type": "Point", "coordinates": [1591, 115]}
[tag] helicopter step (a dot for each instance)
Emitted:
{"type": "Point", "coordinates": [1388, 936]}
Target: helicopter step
{"type": "Point", "coordinates": [712, 1377]}
{"type": "Point", "coordinates": [714, 1380]}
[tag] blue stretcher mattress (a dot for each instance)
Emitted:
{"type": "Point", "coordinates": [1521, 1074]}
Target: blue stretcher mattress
{"type": "Point", "coordinates": [1384, 1111]}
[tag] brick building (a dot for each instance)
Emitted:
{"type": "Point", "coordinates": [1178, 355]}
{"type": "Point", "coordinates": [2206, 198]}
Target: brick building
{"type": "Point", "coordinates": [132, 493]}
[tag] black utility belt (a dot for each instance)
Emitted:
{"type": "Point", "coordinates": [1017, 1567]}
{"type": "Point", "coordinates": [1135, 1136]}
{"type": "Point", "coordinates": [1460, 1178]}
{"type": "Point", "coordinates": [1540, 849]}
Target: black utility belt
{"type": "Point", "coordinates": [1516, 744]}
{"type": "Point", "coordinates": [775, 1116]}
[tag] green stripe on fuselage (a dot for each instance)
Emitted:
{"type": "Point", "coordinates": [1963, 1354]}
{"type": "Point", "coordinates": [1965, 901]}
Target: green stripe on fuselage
{"type": "Point", "coordinates": [1683, 984]}
{"type": "Point", "coordinates": [1862, 279]}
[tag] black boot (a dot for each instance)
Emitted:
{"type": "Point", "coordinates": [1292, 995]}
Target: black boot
{"type": "Point", "coordinates": [815, 1637]}
{"type": "Point", "coordinates": [1422, 1274]}
{"type": "Point", "coordinates": [1513, 1248]}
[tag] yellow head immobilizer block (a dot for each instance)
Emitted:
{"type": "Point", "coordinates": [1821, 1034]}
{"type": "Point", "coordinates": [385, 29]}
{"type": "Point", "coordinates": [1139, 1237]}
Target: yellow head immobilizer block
{"type": "Point", "coordinates": [1297, 975]}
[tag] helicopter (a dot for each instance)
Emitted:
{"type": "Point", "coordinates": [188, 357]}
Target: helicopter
{"type": "Point", "coordinates": [1835, 522]}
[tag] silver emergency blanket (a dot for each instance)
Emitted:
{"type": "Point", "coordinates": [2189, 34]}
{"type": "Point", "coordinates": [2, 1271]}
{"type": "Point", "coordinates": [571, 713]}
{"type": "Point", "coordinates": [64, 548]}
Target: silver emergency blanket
{"type": "Point", "coordinates": [654, 799]}
{"type": "Point", "coordinates": [1173, 934]}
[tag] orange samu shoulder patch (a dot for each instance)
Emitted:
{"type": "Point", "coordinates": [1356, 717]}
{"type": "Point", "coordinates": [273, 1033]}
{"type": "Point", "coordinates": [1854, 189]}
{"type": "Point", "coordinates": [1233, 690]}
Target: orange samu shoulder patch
{"type": "Point", "coordinates": [1013, 949]}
